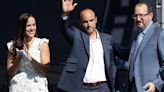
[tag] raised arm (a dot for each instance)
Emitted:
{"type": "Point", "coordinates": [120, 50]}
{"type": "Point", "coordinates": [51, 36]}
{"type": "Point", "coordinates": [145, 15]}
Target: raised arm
{"type": "Point", "coordinates": [67, 7]}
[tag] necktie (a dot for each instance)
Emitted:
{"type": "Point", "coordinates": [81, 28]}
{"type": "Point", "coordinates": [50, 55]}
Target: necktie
{"type": "Point", "coordinates": [135, 48]}
{"type": "Point", "coordinates": [138, 41]}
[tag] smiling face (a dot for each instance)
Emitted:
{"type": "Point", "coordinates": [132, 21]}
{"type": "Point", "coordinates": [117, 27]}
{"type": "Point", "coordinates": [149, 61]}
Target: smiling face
{"type": "Point", "coordinates": [88, 20]}
{"type": "Point", "coordinates": [30, 29]}
{"type": "Point", "coordinates": [142, 16]}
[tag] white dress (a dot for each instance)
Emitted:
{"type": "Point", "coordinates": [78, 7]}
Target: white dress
{"type": "Point", "coordinates": [27, 79]}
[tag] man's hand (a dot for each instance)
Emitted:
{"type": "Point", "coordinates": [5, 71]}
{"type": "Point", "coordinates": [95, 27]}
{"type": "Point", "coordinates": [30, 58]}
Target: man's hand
{"type": "Point", "coordinates": [150, 87]}
{"type": "Point", "coordinates": [68, 6]}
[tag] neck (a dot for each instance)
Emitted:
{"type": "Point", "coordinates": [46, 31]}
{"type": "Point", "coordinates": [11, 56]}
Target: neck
{"type": "Point", "coordinates": [93, 35]}
{"type": "Point", "coordinates": [28, 41]}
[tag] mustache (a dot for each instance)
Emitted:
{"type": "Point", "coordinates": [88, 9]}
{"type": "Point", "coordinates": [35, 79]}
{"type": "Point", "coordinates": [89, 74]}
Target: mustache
{"type": "Point", "coordinates": [138, 21]}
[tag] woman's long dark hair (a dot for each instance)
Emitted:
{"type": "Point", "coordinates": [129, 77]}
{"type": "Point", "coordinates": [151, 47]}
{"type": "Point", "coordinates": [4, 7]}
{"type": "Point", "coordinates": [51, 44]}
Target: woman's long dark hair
{"type": "Point", "coordinates": [18, 40]}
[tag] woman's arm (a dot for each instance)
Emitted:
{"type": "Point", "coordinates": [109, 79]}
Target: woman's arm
{"type": "Point", "coordinates": [44, 57]}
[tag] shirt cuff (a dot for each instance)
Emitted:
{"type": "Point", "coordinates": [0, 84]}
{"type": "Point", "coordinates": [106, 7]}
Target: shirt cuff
{"type": "Point", "coordinates": [64, 17]}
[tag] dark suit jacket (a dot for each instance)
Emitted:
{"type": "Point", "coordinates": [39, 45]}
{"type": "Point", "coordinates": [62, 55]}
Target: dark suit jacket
{"type": "Point", "coordinates": [123, 52]}
{"type": "Point", "coordinates": [72, 77]}
{"type": "Point", "coordinates": [148, 58]}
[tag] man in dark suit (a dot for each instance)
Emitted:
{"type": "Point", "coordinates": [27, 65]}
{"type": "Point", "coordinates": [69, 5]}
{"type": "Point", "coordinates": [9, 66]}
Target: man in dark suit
{"type": "Point", "coordinates": [147, 52]}
{"type": "Point", "coordinates": [89, 66]}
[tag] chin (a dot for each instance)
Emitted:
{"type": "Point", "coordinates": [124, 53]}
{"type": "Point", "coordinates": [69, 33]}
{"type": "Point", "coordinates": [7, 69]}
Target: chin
{"type": "Point", "coordinates": [31, 36]}
{"type": "Point", "coordinates": [140, 26]}
{"type": "Point", "coordinates": [90, 31]}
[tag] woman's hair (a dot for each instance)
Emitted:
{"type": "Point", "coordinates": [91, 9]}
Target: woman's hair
{"type": "Point", "coordinates": [20, 32]}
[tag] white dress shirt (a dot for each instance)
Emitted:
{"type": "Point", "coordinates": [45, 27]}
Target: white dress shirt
{"type": "Point", "coordinates": [96, 69]}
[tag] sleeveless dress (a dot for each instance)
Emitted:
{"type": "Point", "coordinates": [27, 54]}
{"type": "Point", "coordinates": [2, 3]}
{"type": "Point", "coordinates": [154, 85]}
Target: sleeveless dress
{"type": "Point", "coordinates": [27, 79]}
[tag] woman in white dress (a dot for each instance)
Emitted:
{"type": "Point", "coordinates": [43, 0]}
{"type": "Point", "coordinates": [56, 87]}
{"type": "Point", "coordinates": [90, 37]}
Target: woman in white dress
{"type": "Point", "coordinates": [28, 58]}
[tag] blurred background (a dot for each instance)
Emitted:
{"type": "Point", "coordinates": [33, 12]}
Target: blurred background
{"type": "Point", "coordinates": [114, 17]}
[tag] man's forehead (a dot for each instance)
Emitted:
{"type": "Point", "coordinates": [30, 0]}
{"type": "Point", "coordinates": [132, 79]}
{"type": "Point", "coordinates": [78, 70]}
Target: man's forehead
{"type": "Point", "coordinates": [87, 11]}
{"type": "Point", "coordinates": [141, 8]}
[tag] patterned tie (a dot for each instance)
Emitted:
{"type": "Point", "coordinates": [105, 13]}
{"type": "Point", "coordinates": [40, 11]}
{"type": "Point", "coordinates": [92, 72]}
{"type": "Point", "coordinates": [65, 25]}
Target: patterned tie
{"type": "Point", "coordinates": [133, 53]}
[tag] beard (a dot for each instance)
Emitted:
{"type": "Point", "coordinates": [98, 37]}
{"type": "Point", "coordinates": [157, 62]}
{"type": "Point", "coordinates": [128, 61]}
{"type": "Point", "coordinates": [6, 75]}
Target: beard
{"type": "Point", "coordinates": [140, 25]}
{"type": "Point", "coordinates": [90, 31]}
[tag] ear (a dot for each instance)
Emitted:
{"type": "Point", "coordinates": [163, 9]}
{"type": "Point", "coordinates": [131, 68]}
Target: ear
{"type": "Point", "coordinates": [96, 19]}
{"type": "Point", "coordinates": [151, 14]}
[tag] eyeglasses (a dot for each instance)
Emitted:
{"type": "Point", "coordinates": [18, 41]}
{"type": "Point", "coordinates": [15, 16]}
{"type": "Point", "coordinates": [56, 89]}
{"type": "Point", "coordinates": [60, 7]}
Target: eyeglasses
{"type": "Point", "coordinates": [139, 15]}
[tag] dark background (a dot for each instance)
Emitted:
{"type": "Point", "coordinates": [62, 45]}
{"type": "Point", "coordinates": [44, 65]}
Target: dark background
{"type": "Point", "coordinates": [114, 17]}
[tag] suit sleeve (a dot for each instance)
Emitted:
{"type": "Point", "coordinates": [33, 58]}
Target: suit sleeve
{"type": "Point", "coordinates": [158, 81]}
{"type": "Point", "coordinates": [113, 68]}
{"type": "Point", "coordinates": [121, 52]}
{"type": "Point", "coordinates": [66, 32]}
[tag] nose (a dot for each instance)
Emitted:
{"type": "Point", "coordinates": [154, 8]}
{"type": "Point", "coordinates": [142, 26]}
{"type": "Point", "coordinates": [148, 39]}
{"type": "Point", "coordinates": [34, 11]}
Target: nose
{"type": "Point", "coordinates": [89, 23]}
{"type": "Point", "coordinates": [32, 28]}
{"type": "Point", "coordinates": [138, 18]}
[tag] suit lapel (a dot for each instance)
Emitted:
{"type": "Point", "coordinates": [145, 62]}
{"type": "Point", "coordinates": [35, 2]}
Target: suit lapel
{"type": "Point", "coordinates": [146, 37]}
{"type": "Point", "coordinates": [85, 39]}
{"type": "Point", "coordinates": [105, 46]}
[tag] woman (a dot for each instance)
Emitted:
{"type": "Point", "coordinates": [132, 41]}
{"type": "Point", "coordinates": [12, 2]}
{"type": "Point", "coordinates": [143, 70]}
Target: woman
{"type": "Point", "coordinates": [28, 58]}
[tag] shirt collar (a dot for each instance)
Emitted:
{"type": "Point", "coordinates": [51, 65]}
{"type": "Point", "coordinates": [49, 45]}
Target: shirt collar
{"type": "Point", "coordinates": [146, 29]}
{"type": "Point", "coordinates": [98, 36]}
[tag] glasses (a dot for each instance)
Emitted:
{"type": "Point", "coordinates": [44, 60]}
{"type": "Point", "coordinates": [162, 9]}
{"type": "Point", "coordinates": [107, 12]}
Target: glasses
{"type": "Point", "coordinates": [139, 15]}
